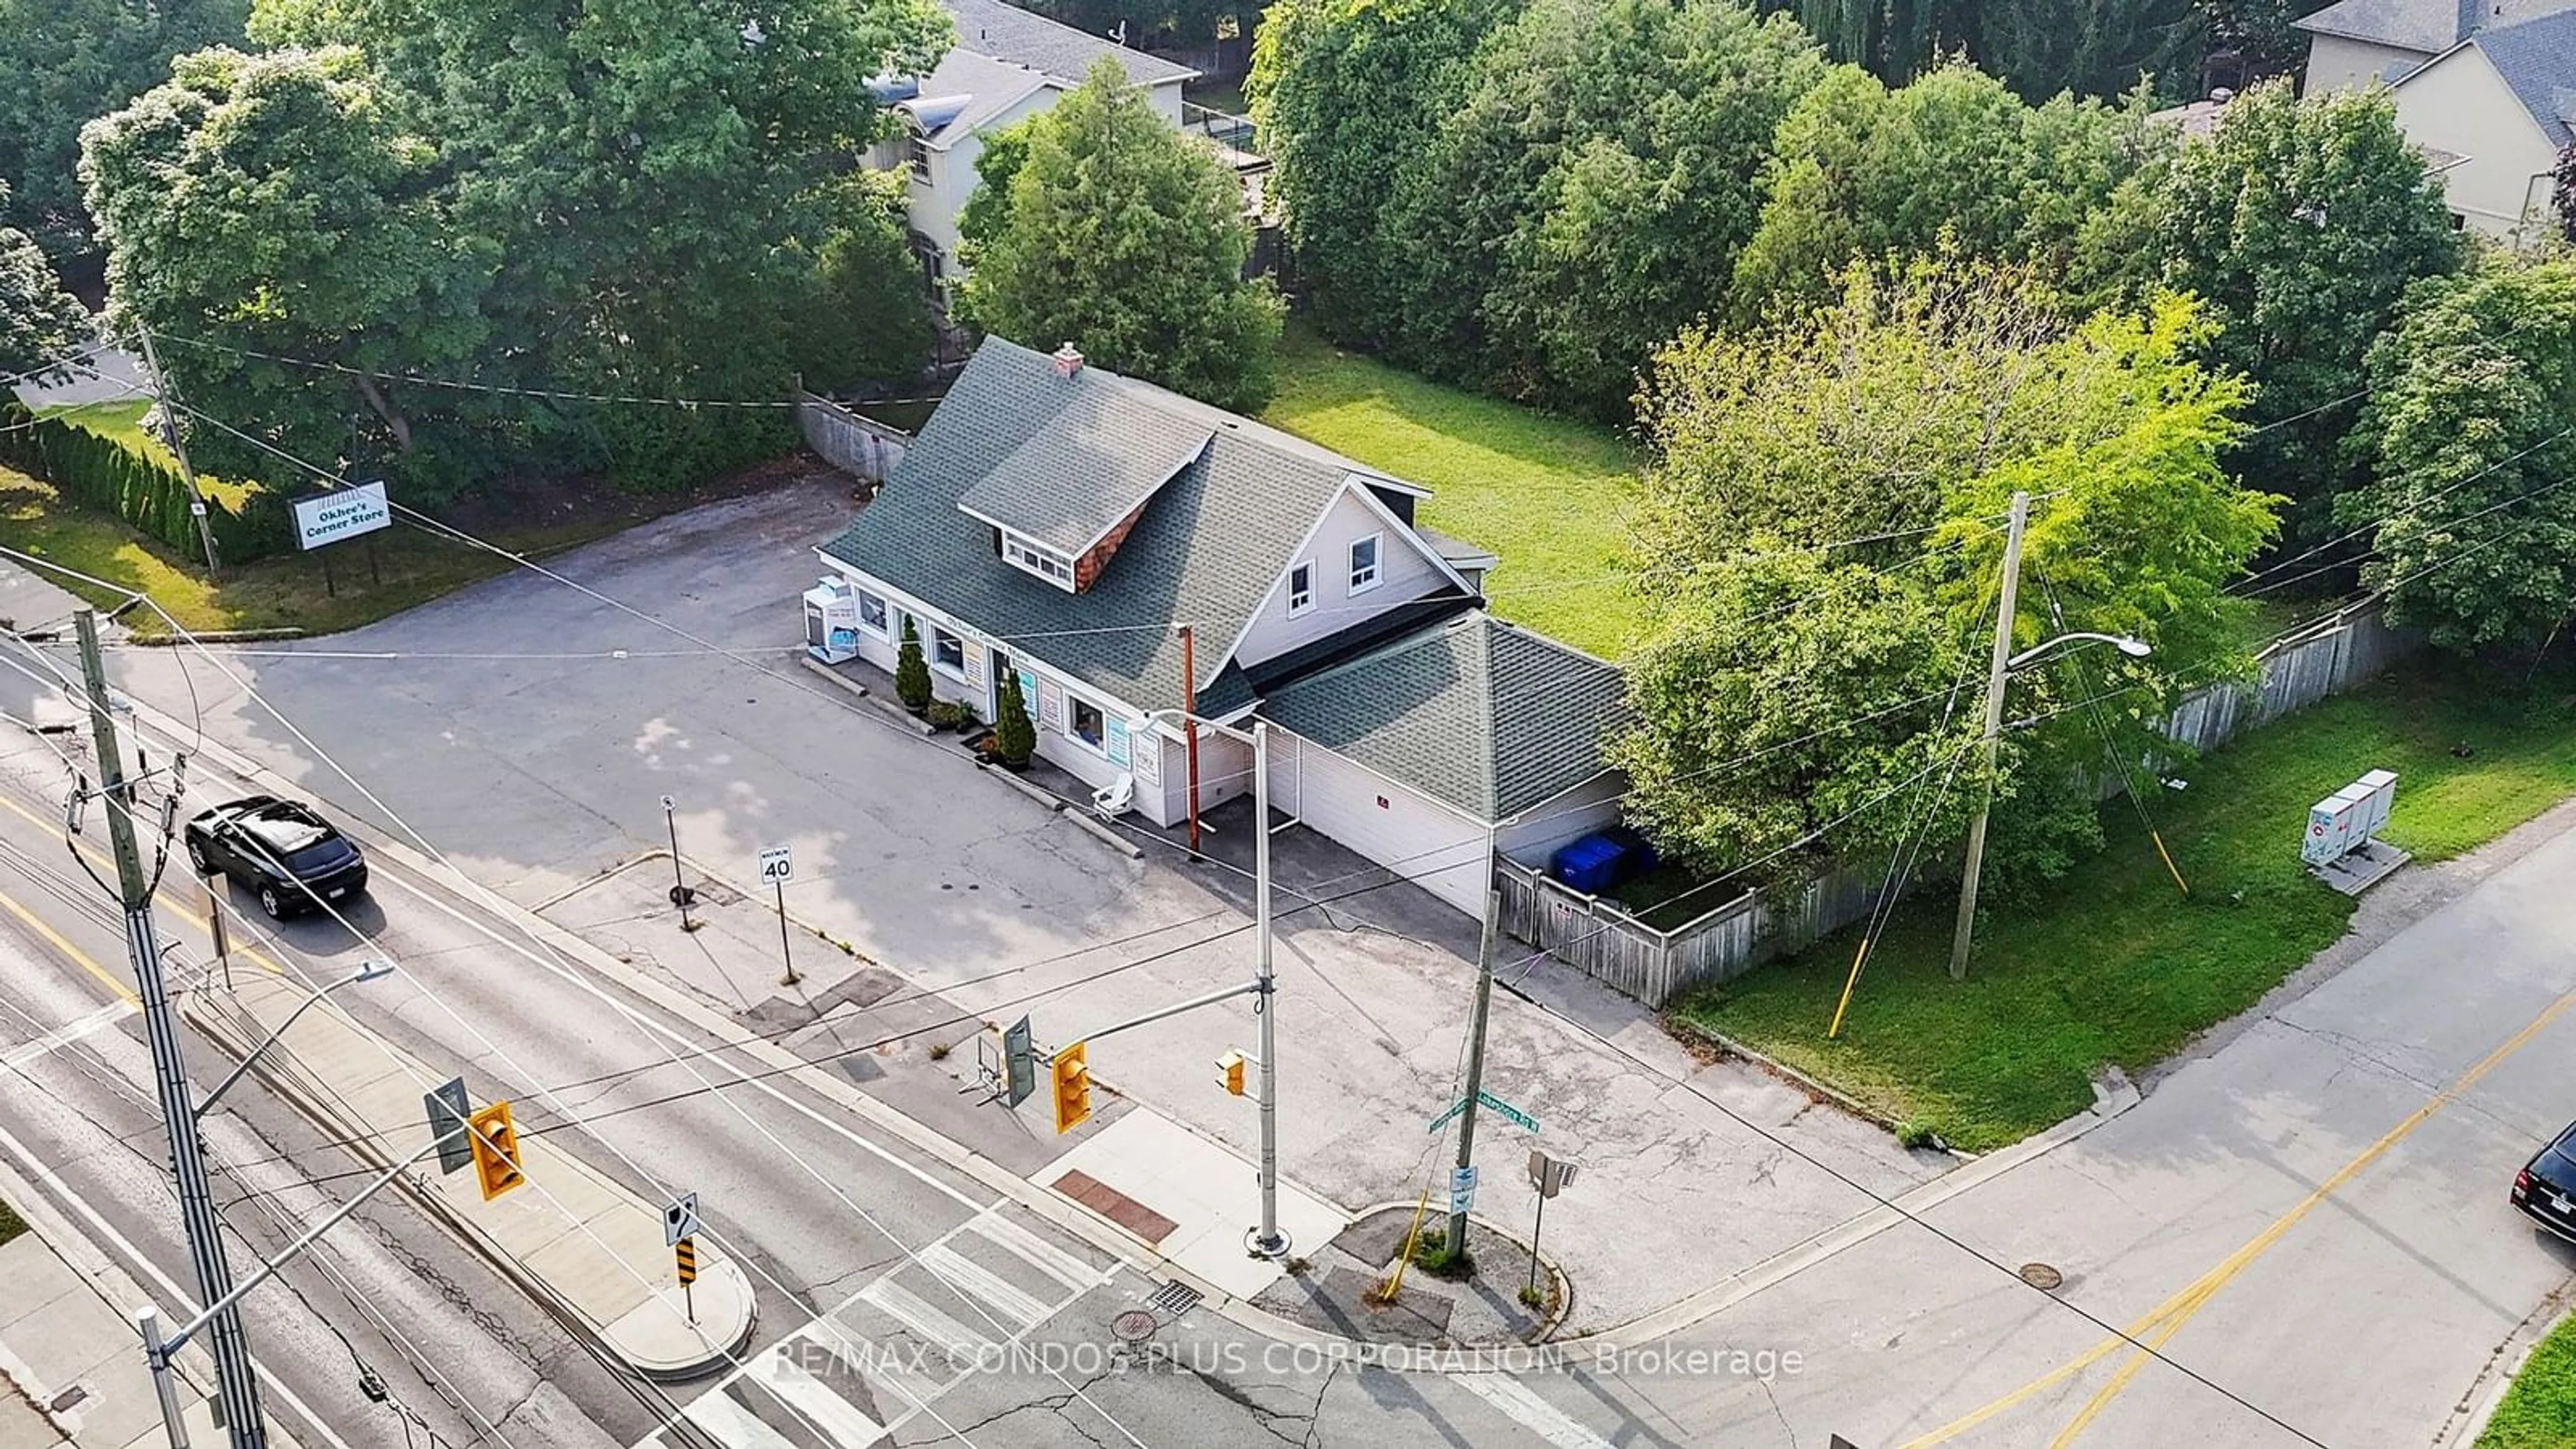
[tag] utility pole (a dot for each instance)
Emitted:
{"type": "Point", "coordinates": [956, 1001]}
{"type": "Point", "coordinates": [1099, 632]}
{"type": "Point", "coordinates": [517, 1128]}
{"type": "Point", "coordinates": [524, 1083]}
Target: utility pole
{"type": "Point", "coordinates": [1457, 1244]}
{"type": "Point", "coordinates": [1190, 726]}
{"type": "Point", "coordinates": [1269, 1241]}
{"type": "Point", "coordinates": [1996, 673]}
{"type": "Point", "coordinates": [179, 446]}
{"type": "Point", "coordinates": [240, 1391]}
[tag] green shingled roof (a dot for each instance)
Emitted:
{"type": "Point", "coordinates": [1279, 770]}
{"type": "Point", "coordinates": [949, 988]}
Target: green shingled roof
{"type": "Point", "coordinates": [1207, 548]}
{"type": "Point", "coordinates": [1097, 461]}
{"type": "Point", "coordinates": [1479, 714]}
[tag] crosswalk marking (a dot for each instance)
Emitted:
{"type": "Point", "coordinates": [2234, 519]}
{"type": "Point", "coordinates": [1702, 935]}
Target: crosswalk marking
{"type": "Point", "coordinates": [1523, 1406]}
{"type": "Point", "coordinates": [963, 1273]}
{"type": "Point", "coordinates": [907, 1347]}
{"type": "Point", "coordinates": [838, 1418]}
{"type": "Point", "coordinates": [724, 1417]}
{"type": "Point", "coordinates": [1035, 1251]}
{"type": "Point", "coordinates": [64, 1035]}
{"type": "Point", "coordinates": [907, 1308]}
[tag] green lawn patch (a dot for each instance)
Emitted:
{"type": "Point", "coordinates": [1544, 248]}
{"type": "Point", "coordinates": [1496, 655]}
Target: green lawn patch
{"type": "Point", "coordinates": [1550, 496]}
{"type": "Point", "coordinates": [11, 1225]}
{"type": "Point", "coordinates": [295, 591]}
{"type": "Point", "coordinates": [2113, 966]}
{"type": "Point", "coordinates": [2539, 1411]}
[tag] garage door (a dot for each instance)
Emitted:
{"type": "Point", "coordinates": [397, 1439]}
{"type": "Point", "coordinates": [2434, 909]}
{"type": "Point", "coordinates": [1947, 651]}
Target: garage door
{"type": "Point", "coordinates": [1443, 851]}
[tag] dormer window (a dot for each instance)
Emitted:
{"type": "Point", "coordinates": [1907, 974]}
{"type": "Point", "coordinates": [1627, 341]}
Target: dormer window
{"type": "Point", "coordinates": [1030, 556]}
{"type": "Point", "coordinates": [1364, 563]}
{"type": "Point", "coordinates": [1301, 590]}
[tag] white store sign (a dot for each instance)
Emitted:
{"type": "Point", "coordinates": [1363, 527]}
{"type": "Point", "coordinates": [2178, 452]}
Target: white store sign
{"type": "Point", "coordinates": [341, 514]}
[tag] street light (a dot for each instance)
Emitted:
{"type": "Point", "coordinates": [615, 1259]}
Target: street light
{"type": "Point", "coordinates": [2004, 663]}
{"type": "Point", "coordinates": [1267, 1240]}
{"type": "Point", "coordinates": [2134, 648]}
{"type": "Point", "coordinates": [367, 971]}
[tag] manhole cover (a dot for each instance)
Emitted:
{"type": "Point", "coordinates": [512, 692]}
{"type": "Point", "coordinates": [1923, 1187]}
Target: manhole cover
{"type": "Point", "coordinates": [2042, 1276]}
{"type": "Point", "coordinates": [1134, 1326]}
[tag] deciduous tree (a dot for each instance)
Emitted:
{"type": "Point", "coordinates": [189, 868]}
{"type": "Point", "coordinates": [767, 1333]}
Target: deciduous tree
{"type": "Point", "coordinates": [39, 321]}
{"type": "Point", "coordinates": [1953, 159]}
{"type": "Point", "coordinates": [2471, 438]}
{"type": "Point", "coordinates": [1346, 94]}
{"type": "Point", "coordinates": [2300, 224]}
{"type": "Point", "coordinates": [64, 62]}
{"type": "Point", "coordinates": [1590, 192]}
{"type": "Point", "coordinates": [1823, 541]}
{"type": "Point", "coordinates": [1127, 238]}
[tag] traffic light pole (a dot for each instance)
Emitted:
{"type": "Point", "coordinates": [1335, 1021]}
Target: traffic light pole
{"type": "Point", "coordinates": [233, 1374]}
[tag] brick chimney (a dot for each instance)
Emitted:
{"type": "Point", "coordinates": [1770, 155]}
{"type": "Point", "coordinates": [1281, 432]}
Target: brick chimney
{"type": "Point", "coordinates": [1068, 360]}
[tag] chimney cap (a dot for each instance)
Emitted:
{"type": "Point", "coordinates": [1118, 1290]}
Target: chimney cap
{"type": "Point", "coordinates": [1068, 360]}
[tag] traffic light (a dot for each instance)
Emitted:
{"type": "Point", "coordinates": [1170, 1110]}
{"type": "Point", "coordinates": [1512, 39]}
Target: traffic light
{"type": "Point", "coordinates": [496, 1150]}
{"type": "Point", "coordinates": [1072, 1088]}
{"type": "Point", "coordinates": [1229, 1072]}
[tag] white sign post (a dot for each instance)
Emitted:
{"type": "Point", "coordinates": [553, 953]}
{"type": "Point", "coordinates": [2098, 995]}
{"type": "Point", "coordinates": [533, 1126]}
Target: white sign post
{"type": "Point", "coordinates": [777, 863]}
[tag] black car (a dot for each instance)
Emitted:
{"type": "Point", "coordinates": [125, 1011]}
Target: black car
{"type": "Point", "coordinates": [2545, 1189]}
{"type": "Point", "coordinates": [291, 858]}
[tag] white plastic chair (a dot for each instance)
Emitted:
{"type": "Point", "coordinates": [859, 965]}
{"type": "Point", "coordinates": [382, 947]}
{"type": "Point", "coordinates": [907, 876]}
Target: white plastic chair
{"type": "Point", "coordinates": [1115, 800]}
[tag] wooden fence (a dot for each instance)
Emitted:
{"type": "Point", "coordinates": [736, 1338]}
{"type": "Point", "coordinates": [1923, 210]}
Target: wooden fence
{"type": "Point", "coordinates": [853, 444]}
{"type": "Point", "coordinates": [1601, 939]}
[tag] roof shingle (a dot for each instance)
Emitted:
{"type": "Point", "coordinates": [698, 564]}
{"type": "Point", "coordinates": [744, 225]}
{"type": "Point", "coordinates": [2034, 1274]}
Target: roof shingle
{"type": "Point", "coordinates": [1479, 714]}
{"type": "Point", "coordinates": [1006, 32]}
{"type": "Point", "coordinates": [1071, 482]}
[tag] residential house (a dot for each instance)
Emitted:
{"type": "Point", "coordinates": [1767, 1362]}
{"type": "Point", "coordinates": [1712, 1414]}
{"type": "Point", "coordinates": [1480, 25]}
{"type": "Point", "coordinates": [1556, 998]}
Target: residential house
{"type": "Point", "coordinates": [1058, 521]}
{"type": "Point", "coordinates": [2485, 88]}
{"type": "Point", "coordinates": [1007, 65]}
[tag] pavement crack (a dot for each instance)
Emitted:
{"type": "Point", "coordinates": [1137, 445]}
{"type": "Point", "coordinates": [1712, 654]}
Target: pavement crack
{"type": "Point", "coordinates": [1786, 1427]}
{"type": "Point", "coordinates": [1059, 1405]}
{"type": "Point", "coordinates": [1268, 1418]}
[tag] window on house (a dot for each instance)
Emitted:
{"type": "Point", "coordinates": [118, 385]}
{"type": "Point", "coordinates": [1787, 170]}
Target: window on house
{"type": "Point", "coordinates": [1089, 725]}
{"type": "Point", "coordinates": [1030, 556]}
{"type": "Point", "coordinates": [1364, 564]}
{"type": "Point", "coordinates": [916, 151]}
{"type": "Point", "coordinates": [872, 613]}
{"type": "Point", "coordinates": [1301, 589]}
{"type": "Point", "coordinates": [947, 650]}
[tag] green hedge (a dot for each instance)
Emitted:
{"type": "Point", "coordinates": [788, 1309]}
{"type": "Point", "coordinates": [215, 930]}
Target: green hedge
{"type": "Point", "coordinates": [107, 477]}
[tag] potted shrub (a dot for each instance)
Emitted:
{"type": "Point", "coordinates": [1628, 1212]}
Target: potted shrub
{"type": "Point", "coordinates": [945, 715]}
{"type": "Point", "coordinates": [1014, 737]}
{"type": "Point", "coordinates": [912, 672]}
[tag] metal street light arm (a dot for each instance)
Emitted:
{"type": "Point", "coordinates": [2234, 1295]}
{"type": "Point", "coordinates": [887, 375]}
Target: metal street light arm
{"type": "Point", "coordinates": [2134, 648]}
{"type": "Point", "coordinates": [371, 971]}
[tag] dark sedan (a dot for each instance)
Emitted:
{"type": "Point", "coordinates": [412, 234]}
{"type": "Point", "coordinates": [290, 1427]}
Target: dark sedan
{"type": "Point", "coordinates": [2545, 1189]}
{"type": "Point", "coordinates": [289, 858]}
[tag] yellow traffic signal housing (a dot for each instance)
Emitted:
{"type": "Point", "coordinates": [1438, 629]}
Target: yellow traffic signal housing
{"type": "Point", "coordinates": [1072, 1088]}
{"type": "Point", "coordinates": [1229, 1072]}
{"type": "Point", "coordinates": [496, 1150]}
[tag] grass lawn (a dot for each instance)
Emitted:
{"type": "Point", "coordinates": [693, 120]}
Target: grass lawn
{"type": "Point", "coordinates": [295, 591]}
{"type": "Point", "coordinates": [2539, 1411]}
{"type": "Point", "coordinates": [2113, 966]}
{"type": "Point", "coordinates": [1548, 495]}
{"type": "Point", "coordinates": [11, 1225]}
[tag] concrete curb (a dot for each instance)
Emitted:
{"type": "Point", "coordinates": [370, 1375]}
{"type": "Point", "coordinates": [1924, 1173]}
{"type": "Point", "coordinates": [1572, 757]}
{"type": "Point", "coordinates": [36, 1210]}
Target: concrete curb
{"type": "Point", "coordinates": [1073, 811]}
{"type": "Point", "coordinates": [1071, 1217]}
{"type": "Point", "coordinates": [834, 675]}
{"type": "Point", "coordinates": [92, 1262]}
{"type": "Point", "coordinates": [220, 636]}
{"type": "Point", "coordinates": [302, 1087]}
{"type": "Point", "coordinates": [2470, 1420]}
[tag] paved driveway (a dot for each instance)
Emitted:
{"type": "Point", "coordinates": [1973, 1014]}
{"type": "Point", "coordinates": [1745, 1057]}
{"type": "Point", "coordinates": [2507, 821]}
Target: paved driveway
{"type": "Point", "coordinates": [504, 725]}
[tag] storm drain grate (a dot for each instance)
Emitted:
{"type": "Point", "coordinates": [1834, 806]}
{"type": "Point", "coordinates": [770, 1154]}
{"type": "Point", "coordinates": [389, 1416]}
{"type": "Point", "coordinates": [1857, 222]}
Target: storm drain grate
{"type": "Point", "coordinates": [1174, 1299]}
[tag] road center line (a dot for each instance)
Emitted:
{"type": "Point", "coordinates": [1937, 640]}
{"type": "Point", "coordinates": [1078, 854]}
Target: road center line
{"type": "Point", "coordinates": [2168, 1317]}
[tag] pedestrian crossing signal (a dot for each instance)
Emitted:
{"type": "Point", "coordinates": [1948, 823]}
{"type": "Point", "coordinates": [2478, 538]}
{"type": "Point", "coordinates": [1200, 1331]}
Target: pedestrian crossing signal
{"type": "Point", "coordinates": [1072, 1088]}
{"type": "Point", "coordinates": [1229, 1072]}
{"type": "Point", "coordinates": [496, 1150]}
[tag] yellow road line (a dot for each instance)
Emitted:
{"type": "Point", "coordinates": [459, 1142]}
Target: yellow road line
{"type": "Point", "coordinates": [100, 858]}
{"type": "Point", "coordinates": [2161, 1323]}
{"type": "Point", "coordinates": [74, 954]}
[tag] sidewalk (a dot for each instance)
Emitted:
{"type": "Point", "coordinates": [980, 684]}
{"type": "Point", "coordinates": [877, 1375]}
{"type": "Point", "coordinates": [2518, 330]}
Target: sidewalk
{"type": "Point", "coordinates": [1677, 1195]}
{"type": "Point", "coordinates": [71, 1359]}
{"type": "Point", "coordinates": [570, 1235]}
